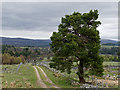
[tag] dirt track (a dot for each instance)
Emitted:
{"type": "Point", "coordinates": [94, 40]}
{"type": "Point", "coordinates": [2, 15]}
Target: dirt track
{"type": "Point", "coordinates": [39, 81]}
{"type": "Point", "coordinates": [47, 79]}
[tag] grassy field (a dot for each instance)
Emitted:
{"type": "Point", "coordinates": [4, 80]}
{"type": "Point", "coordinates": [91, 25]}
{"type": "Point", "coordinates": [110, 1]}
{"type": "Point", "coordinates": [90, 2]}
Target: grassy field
{"type": "Point", "coordinates": [110, 63]}
{"type": "Point", "coordinates": [106, 46]}
{"type": "Point", "coordinates": [104, 63]}
{"type": "Point", "coordinates": [1, 76]}
{"type": "Point", "coordinates": [106, 70]}
{"type": "Point", "coordinates": [61, 81]}
{"type": "Point", "coordinates": [65, 82]}
{"type": "Point", "coordinates": [24, 78]}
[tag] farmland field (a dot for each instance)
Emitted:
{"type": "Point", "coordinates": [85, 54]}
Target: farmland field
{"type": "Point", "coordinates": [26, 77]}
{"type": "Point", "coordinates": [111, 63]}
{"type": "Point", "coordinates": [106, 46]}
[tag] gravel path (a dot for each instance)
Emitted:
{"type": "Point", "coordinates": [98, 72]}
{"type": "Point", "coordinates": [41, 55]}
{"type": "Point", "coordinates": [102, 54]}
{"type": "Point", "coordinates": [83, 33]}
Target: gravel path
{"type": "Point", "coordinates": [39, 81]}
{"type": "Point", "coordinates": [47, 79]}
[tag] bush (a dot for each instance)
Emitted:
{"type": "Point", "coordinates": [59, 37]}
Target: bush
{"type": "Point", "coordinates": [8, 59]}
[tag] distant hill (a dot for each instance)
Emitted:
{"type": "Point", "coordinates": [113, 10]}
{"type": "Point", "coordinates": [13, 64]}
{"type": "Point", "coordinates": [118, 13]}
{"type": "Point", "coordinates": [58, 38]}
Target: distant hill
{"type": "Point", "coordinates": [36, 42]}
{"type": "Point", "coordinates": [107, 41]}
{"type": "Point", "coordinates": [24, 42]}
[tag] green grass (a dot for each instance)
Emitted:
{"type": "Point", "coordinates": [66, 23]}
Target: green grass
{"type": "Point", "coordinates": [104, 63]}
{"type": "Point", "coordinates": [110, 63]}
{"type": "Point", "coordinates": [110, 73]}
{"type": "Point", "coordinates": [106, 46]}
{"type": "Point", "coordinates": [62, 82]}
{"type": "Point", "coordinates": [26, 74]}
{"type": "Point", "coordinates": [1, 76]}
{"type": "Point", "coordinates": [43, 78]}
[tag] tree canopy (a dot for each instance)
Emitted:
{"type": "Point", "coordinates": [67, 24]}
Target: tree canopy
{"type": "Point", "coordinates": [77, 40]}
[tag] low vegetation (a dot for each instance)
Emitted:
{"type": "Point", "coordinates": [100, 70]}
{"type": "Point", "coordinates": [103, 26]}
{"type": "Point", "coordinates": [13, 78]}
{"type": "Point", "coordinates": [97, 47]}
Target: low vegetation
{"type": "Point", "coordinates": [25, 77]}
{"type": "Point", "coordinates": [63, 82]}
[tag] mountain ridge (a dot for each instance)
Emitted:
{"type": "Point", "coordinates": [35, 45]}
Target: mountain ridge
{"type": "Point", "coordinates": [24, 42]}
{"type": "Point", "coordinates": [37, 42]}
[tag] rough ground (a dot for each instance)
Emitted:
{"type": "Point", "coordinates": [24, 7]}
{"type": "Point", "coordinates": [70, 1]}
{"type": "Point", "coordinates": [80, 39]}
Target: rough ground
{"type": "Point", "coordinates": [110, 82]}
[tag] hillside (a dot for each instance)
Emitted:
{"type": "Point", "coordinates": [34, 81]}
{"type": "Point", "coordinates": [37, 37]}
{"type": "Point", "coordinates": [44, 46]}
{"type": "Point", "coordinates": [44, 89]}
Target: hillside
{"type": "Point", "coordinates": [103, 41]}
{"type": "Point", "coordinates": [24, 42]}
{"type": "Point", "coordinates": [36, 42]}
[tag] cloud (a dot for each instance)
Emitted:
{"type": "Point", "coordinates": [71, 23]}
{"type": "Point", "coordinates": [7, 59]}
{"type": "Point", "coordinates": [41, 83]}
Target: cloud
{"type": "Point", "coordinates": [22, 19]}
{"type": "Point", "coordinates": [27, 34]}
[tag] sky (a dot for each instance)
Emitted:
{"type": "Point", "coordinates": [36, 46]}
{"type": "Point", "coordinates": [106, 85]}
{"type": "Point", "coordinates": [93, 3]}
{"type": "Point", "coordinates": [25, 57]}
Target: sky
{"type": "Point", "coordinates": [38, 20]}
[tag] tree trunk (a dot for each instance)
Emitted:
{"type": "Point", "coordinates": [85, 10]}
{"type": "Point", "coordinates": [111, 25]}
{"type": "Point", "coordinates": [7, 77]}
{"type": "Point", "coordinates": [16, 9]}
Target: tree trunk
{"type": "Point", "coordinates": [80, 72]}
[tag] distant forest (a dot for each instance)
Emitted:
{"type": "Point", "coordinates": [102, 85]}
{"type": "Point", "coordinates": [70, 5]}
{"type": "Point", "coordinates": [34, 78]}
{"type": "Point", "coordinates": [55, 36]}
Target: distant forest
{"type": "Point", "coordinates": [15, 55]}
{"type": "Point", "coordinates": [107, 50]}
{"type": "Point", "coordinates": [16, 50]}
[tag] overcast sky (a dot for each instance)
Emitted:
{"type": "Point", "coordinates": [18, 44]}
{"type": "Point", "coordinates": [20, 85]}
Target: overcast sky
{"type": "Point", "coordinates": [40, 20]}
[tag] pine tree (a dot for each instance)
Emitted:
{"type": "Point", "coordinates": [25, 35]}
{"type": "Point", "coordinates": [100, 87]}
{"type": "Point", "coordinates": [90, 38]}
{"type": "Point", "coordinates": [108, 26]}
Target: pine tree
{"type": "Point", "coordinates": [77, 40]}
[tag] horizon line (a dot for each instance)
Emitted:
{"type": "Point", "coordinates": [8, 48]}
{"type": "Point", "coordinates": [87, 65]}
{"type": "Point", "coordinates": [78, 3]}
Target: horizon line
{"type": "Point", "coordinates": [46, 38]}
